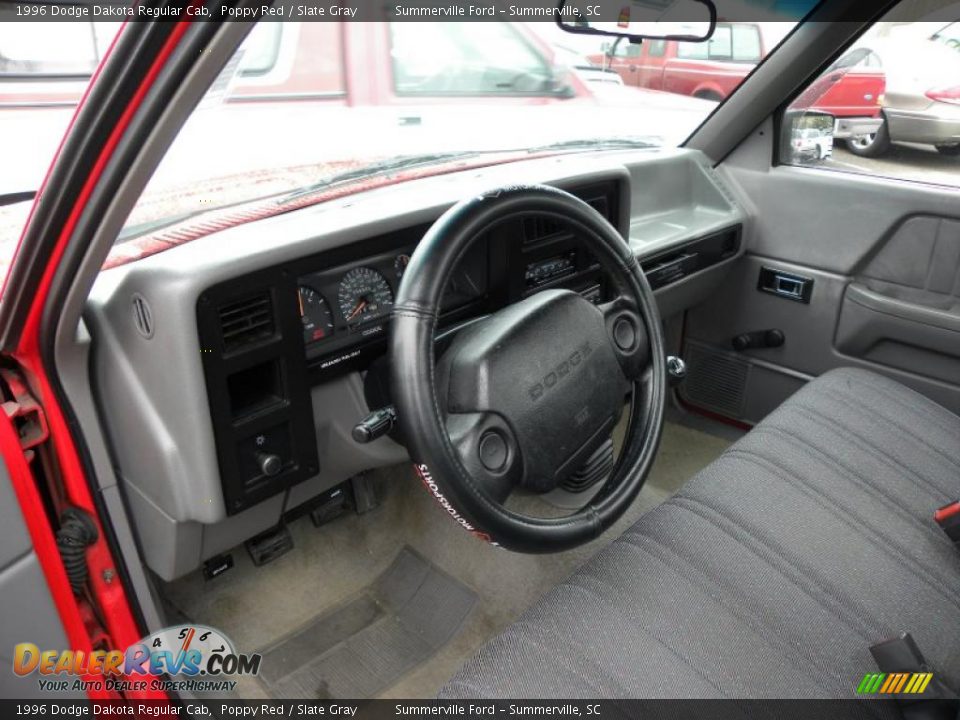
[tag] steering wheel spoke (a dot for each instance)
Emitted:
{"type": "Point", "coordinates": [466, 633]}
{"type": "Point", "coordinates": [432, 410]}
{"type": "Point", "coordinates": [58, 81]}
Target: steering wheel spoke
{"type": "Point", "coordinates": [628, 336]}
{"type": "Point", "coordinates": [488, 451]}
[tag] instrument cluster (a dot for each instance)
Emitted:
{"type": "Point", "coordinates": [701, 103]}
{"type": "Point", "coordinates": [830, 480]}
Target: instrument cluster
{"type": "Point", "coordinates": [343, 308]}
{"type": "Point", "coordinates": [357, 300]}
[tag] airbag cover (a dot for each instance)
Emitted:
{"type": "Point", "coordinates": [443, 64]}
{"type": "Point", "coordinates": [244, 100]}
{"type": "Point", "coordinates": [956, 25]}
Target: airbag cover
{"type": "Point", "coordinates": [546, 366]}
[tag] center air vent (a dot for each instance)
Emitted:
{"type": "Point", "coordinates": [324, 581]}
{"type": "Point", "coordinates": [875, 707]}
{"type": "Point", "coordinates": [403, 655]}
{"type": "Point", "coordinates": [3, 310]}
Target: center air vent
{"type": "Point", "coordinates": [601, 205]}
{"type": "Point", "coordinates": [540, 227]}
{"type": "Point", "coordinates": [246, 321]}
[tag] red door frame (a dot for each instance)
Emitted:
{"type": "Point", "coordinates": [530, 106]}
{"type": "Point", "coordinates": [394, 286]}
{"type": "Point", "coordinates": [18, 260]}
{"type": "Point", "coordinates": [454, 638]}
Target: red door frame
{"type": "Point", "coordinates": [115, 607]}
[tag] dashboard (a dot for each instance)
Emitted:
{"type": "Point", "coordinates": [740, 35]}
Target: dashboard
{"type": "Point", "coordinates": [267, 341]}
{"type": "Point", "coordinates": [271, 335]}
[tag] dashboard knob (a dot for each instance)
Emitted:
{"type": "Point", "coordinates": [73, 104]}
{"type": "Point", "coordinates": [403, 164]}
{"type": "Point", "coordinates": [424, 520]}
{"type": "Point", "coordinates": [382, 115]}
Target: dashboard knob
{"type": "Point", "coordinates": [269, 463]}
{"type": "Point", "coordinates": [676, 370]}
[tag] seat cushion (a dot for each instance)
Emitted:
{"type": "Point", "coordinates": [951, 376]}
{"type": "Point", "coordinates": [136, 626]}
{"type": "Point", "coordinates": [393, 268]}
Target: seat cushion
{"type": "Point", "coordinates": [770, 574]}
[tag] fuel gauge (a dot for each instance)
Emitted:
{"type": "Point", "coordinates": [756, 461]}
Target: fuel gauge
{"type": "Point", "coordinates": [315, 315]}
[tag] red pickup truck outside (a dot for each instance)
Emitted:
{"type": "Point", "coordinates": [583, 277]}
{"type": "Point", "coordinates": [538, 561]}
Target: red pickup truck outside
{"type": "Point", "coordinates": [851, 90]}
{"type": "Point", "coordinates": [378, 86]}
{"type": "Point", "coordinates": [312, 61]}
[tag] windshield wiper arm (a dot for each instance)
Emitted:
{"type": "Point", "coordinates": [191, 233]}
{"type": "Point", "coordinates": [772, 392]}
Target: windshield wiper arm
{"type": "Point", "coordinates": [403, 162]}
{"type": "Point", "coordinates": [12, 198]}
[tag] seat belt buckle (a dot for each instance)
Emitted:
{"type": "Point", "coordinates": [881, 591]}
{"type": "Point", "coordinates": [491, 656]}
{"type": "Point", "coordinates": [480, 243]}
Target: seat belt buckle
{"type": "Point", "coordinates": [901, 655]}
{"type": "Point", "coordinates": [948, 518]}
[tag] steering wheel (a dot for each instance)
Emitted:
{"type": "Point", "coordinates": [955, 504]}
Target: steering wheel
{"type": "Point", "coordinates": [521, 399]}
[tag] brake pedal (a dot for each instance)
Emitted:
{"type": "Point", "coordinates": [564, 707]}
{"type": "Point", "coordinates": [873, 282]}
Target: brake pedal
{"type": "Point", "coordinates": [268, 546]}
{"type": "Point", "coordinates": [331, 505]}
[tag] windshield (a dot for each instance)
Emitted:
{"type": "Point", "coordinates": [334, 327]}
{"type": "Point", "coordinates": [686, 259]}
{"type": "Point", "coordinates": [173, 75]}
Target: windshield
{"type": "Point", "coordinates": [304, 107]}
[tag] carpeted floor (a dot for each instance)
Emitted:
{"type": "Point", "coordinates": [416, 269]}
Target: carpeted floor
{"type": "Point", "coordinates": [338, 564]}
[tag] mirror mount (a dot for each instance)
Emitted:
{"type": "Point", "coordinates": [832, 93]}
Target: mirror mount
{"type": "Point", "coordinates": [680, 20]}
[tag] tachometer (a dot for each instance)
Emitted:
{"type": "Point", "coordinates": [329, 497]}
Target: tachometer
{"type": "Point", "coordinates": [364, 295]}
{"type": "Point", "coordinates": [314, 314]}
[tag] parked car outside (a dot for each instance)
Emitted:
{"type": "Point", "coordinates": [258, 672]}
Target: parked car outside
{"type": "Point", "coordinates": [813, 144]}
{"type": "Point", "coordinates": [948, 35]}
{"type": "Point", "coordinates": [922, 100]}
{"type": "Point", "coordinates": [440, 80]}
{"type": "Point", "coordinates": [585, 69]}
{"type": "Point", "coordinates": [851, 92]}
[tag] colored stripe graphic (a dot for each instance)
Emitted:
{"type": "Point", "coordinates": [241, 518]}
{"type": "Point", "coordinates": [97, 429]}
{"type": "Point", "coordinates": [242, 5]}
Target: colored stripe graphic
{"type": "Point", "coordinates": [870, 683]}
{"type": "Point", "coordinates": [894, 683]}
{"type": "Point", "coordinates": [914, 681]}
{"type": "Point", "coordinates": [891, 681]}
{"type": "Point", "coordinates": [900, 683]}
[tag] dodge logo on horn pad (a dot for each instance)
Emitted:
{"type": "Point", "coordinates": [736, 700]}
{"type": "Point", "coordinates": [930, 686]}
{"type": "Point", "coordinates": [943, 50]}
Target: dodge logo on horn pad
{"type": "Point", "coordinates": [553, 378]}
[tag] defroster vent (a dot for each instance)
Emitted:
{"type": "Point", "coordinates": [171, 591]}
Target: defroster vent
{"type": "Point", "coordinates": [247, 321]}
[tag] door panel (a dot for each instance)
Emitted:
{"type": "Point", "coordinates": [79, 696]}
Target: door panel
{"type": "Point", "coordinates": [25, 597]}
{"type": "Point", "coordinates": [884, 259]}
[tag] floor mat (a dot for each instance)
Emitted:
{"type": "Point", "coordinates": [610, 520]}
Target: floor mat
{"type": "Point", "coordinates": [331, 567]}
{"type": "Point", "coordinates": [357, 650]}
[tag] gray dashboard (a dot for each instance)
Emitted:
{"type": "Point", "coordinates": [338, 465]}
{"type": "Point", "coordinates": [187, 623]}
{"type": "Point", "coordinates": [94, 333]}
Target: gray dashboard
{"type": "Point", "coordinates": [163, 378]}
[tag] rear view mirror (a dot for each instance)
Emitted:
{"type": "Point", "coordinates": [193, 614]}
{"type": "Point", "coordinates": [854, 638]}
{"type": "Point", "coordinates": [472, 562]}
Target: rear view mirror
{"type": "Point", "coordinates": [682, 20]}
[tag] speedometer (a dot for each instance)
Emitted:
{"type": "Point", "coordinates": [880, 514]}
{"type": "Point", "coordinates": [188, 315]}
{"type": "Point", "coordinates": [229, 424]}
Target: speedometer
{"type": "Point", "coordinates": [364, 295]}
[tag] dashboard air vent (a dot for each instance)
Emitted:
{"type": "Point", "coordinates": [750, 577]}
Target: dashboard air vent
{"type": "Point", "coordinates": [539, 228]}
{"type": "Point", "coordinates": [601, 205]}
{"type": "Point", "coordinates": [142, 316]}
{"type": "Point", "coordinates": [246, 321]}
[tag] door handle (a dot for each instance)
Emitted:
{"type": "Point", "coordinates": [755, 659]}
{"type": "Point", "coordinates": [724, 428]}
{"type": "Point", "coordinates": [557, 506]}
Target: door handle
{"type": "Point", "coordinates": [785, 285]}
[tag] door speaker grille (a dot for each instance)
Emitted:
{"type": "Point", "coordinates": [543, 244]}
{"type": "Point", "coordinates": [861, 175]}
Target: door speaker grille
{"type": "Point", "coordinates": [715, 380]}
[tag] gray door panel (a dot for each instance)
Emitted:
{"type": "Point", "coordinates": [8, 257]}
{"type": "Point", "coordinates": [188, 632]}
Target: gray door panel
{"type": "Point", "coordinates": [831, 220]}
{"type": "Point", "coordinates": [884, 258]}
{"type": "Point", "coordinates": [29, 614]}
{"type": "Point", "coordinates": [14, 540]}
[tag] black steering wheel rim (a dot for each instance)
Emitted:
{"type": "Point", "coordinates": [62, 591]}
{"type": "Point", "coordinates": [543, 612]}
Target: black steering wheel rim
{"type": "Point", "coordinates": [414, 372]}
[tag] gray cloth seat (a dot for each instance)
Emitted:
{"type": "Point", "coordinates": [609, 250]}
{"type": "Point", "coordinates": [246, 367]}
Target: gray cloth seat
{"type": "Point", "coordinates": [772, 571]}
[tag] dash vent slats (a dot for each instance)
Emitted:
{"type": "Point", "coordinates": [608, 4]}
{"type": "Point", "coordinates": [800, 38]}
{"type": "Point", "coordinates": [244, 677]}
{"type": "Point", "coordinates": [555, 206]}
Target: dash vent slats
{"type": "Point", "coordinates": [247, 321]}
